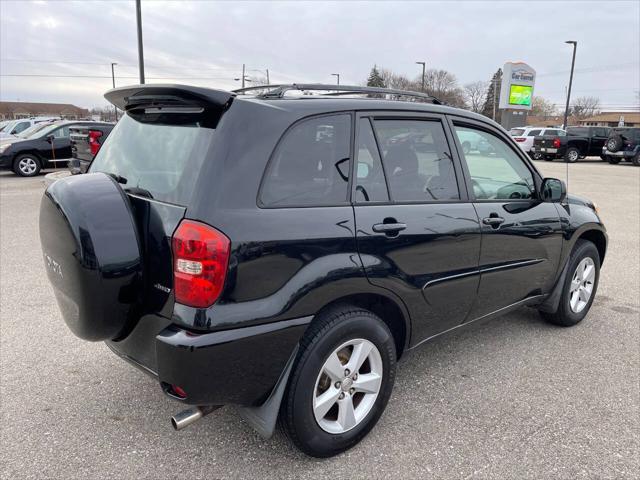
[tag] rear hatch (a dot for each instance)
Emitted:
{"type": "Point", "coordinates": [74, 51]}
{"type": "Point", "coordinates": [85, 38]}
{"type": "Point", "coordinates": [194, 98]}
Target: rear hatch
{"type": "Point", "coordinates": [548, 143]}
{"type": "Point", "coordinates": [153, 157]}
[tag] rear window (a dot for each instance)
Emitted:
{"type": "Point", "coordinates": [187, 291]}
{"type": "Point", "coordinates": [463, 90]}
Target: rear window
{"type": "Point", "coordinates": [158, 161]}
{"type": "Point", "coordinates": [516, 132]}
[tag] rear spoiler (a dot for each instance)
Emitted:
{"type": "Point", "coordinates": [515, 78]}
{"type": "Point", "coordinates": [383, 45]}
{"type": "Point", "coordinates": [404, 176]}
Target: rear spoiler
{"type": "Point", "coordinates": [159, 103]}
{"type": "Point", "coordinates": [137, 96]}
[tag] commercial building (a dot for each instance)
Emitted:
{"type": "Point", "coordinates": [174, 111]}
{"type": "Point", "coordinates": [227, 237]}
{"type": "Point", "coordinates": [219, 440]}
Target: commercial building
{"type": "Point", "coordinates": [15, 110]}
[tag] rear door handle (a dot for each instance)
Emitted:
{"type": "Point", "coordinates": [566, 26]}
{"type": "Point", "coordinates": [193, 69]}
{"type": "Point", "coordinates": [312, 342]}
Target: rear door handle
{"type": "Point", "coordinates": [389, 227]}
{"type": "Point", "coordinates": [495, 222]}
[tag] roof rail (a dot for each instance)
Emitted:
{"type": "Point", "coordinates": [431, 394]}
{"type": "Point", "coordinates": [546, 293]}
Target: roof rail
{"type": "Point", "coordinates": [278, 91]}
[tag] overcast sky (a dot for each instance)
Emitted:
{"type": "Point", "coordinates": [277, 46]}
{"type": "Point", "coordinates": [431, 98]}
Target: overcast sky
{"type": "Point", "coordinates": [206, 42]}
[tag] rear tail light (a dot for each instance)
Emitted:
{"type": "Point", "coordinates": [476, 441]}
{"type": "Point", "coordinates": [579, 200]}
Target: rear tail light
{"type": "Point", "coordinates": [556, 143]}
{"type": "Point", "coordinates": [94, 144]}
{"type": "Point", "coordinates": [519, 139]}
{"type": "Point", "coordinates": [200, 260]}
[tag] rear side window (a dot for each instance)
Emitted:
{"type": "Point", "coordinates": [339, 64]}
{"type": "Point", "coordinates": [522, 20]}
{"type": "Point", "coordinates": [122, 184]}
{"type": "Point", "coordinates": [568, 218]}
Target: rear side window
{"type": "Point", "coordinates": [578, 131]}
{"type": "Point", "coordinates": [534, 133]}
{"type": "Point", "coordinates": [417, 160]}
{"type": "Point", "coordinates": [310, 166]}
{"type": "Point", "coordinates": [157, 161]}
{"type": "Point", "coordinates": [21, 126]}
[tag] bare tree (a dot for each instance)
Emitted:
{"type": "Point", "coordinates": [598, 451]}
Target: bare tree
{"type": "Point", "coordinates": [444, 86]}
{"type": "Point", "coordinates": [542, 107]}
{"type": "Point", "coordinates": [475, 94]}
{"type": "Point", "coordinates": [584, 107]}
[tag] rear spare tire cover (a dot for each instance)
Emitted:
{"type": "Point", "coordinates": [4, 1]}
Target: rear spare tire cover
{"type": "Point", "coordinates": [92, 254]}
{"type": "Point", "coordinates": [614, 143]}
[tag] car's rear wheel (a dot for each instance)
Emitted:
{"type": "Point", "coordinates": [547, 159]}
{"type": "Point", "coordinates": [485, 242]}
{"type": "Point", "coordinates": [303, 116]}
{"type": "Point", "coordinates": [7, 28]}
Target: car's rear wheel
{"type": "Point", "coordinates": [572, 155]}
{"type": "Point", "coordinates": [536, 155]}
{"type": "Point", "coordinates": [580, 286]}
{"type": "Point", "coordinates": [27, 165]}
{"type": "Point", "coordinates": [636, 159]}
{"type": "Point", "coordinates": [341, 382]}
{"type": "Point", "coordinates": [613, 160]}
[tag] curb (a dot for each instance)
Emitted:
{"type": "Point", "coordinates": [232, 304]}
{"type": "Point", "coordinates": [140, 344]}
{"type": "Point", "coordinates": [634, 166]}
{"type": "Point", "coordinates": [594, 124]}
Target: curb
{"type": "Point", "coordinates": [49, 178]}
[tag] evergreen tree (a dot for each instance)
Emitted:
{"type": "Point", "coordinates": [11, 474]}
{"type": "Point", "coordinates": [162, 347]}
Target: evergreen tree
{"type": "Point", "coordinates": [375, 78]}
{"type": "Point", "coordinates": [493, 94]}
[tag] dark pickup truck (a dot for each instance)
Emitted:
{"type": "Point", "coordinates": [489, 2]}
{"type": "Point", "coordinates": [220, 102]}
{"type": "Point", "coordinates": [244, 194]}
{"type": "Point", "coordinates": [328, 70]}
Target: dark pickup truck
{"type": "Point", "coordinates": [86, 141]}
{"type": "Point", "coordinates": [579, 142]}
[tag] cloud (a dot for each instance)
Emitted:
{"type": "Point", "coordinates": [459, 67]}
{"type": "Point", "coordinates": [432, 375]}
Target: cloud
{"type": "Point", "coordinates": [206, 43]}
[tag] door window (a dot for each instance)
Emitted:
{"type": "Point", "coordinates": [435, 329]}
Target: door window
{"type": "Point", "coordinates": [497, 172]}
{"type": "Point", "coordinates": [311, 164]}
{"type": "Point", "coordinates": [62, 132]}
{"type": "Point", "coordinates": [534, 133]}
{"type": "Point", "coordinates": [21, 126]}
{"type": "Point", "coordinates": [417, 160]}
{"type": "Point", "coordinates": [371, 185]}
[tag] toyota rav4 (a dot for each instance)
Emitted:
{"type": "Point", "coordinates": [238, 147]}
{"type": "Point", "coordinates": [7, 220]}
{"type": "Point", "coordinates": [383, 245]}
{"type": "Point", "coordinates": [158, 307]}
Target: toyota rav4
{"type": "Point", "coordinates": [281, 253]}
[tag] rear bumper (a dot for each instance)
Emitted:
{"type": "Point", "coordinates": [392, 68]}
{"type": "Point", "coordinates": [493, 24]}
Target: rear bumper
{"type": "Point", "coordinates": [239, 366]}
{"type": "Point", "coordinates": [620, 154]}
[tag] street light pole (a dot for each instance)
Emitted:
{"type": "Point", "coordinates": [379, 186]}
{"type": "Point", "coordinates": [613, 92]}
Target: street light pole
{"type": "Point", "coordinates": [113, 81]}
{"type": "Point", "coordinates": [268, 83]}
{"type": "Point", "coordinates": [423, 72]}
{"type": "Point", "coordinates": [573, 61]}
{"type": "Point", "coordinates": [140, 54]}
{"type": "Point", "coordinates": [337, 75]}
{"type": "Point", "coordinates": [243, 67]}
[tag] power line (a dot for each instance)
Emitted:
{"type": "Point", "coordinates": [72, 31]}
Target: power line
{"type": "Point", "coordinates": [108, 76]}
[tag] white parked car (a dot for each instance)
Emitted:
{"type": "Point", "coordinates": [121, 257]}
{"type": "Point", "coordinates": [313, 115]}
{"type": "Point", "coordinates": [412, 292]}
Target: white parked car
{"type": "Point", "coordinates": [524, 137]}
{"type": "Point", "coordinates": [13, 127]}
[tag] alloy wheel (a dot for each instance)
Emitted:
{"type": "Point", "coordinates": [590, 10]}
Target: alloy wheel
{"type": "Point", "coordinates": [582, 285]}
{"type": "Point", "coordinates": [348, 385]}
{"type": "Point", "coordinates": [28, 165]}
{"type": "Point", "coordinates": [573, 155]}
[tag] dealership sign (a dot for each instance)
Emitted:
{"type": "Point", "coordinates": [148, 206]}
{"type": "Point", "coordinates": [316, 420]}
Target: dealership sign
{"type": "Point", "coordinates": [516, 90]}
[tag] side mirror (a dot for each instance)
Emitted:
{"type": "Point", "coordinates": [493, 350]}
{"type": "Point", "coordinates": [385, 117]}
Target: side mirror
{"type": "Point", "coordinates": [553, 190]}
{"type": "Point", "coordinates": [50, 138]}
{"type": "Point", "coordinates": [363, 170]}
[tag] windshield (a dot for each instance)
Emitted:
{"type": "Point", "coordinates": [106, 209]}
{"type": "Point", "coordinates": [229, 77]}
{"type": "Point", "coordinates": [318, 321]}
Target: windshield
{"type": "Point", "coordinates": [160, 161]}
{"type": "Point", "coordinates": [9, 126]}
{"type": "Point", "coordinates": [31, 130]}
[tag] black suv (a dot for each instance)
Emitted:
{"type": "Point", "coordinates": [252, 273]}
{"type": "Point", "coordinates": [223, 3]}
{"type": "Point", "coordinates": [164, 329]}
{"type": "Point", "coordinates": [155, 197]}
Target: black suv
{"type": "Point", "coordinates": [280, 254]}
{"type": "Point", "coordinates": [47, 146]}
{"type": "Point", "coordinates": [623, 144]}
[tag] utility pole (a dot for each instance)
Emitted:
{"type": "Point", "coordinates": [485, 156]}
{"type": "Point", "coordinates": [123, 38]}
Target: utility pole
{"type": "Point", "coordinates": [113, 81]}
{"type": "Point", "coordinates": [268, 82]}
{"type": "Point", "coordinates": [573, 61]}
{"type": "Point", "coordinates": [243, 75]}
{"type": "Point", "coordinates": [337, 75]}
{"type": "Point", "coordinates": [423, 72]}
{"type": "Point", "coordinates": [140, 54]}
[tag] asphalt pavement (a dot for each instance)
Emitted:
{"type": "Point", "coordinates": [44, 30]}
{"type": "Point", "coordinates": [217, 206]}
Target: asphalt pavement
{"type": "Point", "coordinates": [513, 398]}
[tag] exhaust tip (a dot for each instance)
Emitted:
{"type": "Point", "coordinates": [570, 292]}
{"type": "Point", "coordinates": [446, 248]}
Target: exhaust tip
{"type": "Point", "coordinates": [186, 417]}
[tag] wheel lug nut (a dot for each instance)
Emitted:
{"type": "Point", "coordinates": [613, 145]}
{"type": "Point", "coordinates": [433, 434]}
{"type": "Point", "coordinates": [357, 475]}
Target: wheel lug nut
{"type": "Point", "coordinates": [341, 396]}
{"type": "Point", "coordinates": [355, 376]}
{"type": "Point", "coordinates": [347, 372]}
{"type": "Point", "coordinates": [338, 384]}
{"type": "Point", "coordinates": [352, 391]}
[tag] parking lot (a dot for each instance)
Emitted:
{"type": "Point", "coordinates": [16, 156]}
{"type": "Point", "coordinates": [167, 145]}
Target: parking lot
{"type": "Point", "coordinates": [513, 398]}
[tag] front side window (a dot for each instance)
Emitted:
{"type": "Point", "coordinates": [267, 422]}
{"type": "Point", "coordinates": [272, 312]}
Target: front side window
{"type": "Point", "coordinates": [417, 160]}
{"type": "Point", "coordinates": [534, 133]}
{"type": "Point", "coordinates": [21, 126]}
{"type": "Point", "coordinates": [497, 172]}
{"type": "Point", "coordinates": [310, 165]}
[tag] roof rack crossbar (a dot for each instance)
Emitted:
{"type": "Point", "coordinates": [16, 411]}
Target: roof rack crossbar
{"type": "Point", "coordinates": [278, 91]}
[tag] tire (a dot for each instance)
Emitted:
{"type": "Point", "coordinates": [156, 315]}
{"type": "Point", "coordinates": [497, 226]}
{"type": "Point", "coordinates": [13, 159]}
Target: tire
{"type": "Point", "coordinates": [536, 156]}
{"type": "Point", "coordinates": [614, 143]}
{"type": "Point", "coordinates": [613, 160]}
{"type": "Point", "coordinates": [27, 165]}
{"type": "Point", "coordinates": [571, 312]}
{"type": "Point", "coordinates": [301, 419]}
{"type": "Point", "coordinates": [636, 159]}
{"type": "Point", "coordinates": [572, 155]}
{"type": "Point", "coordinates": [548, 159]}
{"type": "Point", "coordinates": [603, 158]}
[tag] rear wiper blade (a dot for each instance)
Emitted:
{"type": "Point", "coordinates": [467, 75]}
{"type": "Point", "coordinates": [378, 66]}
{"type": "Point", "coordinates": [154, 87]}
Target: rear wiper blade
{"type": "Point", "coordinates": [140, 192]}
{"type": "Point", "coordinates": [118, 178]}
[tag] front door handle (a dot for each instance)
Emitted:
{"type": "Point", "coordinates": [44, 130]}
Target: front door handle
{"type": "Point", "coordinates": [494, 221]}
{"type": "Point", "coordinates": [389, 228]}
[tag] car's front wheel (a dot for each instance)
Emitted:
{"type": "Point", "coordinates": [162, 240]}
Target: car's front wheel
{"type": "Point", "coordinates": [572, 155]}
{"type": "Point", "coordinates": [341, 382]}
{"type": "Point", "coordinates": [580, 286]}
{"type": "Point", "coordinates": [27, 165]}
